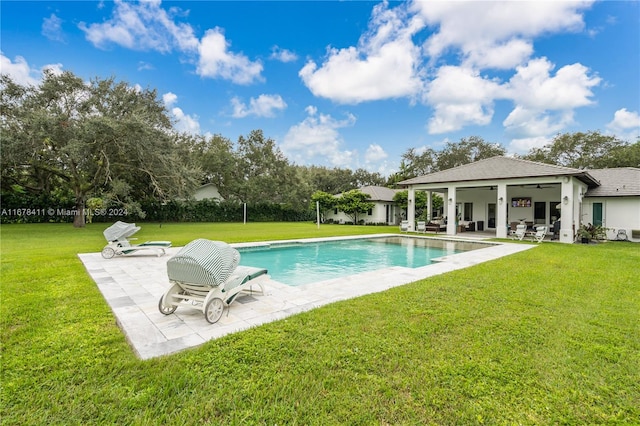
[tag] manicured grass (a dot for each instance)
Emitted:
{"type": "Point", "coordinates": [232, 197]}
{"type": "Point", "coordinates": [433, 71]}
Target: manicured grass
{"type": "Point", "coordinates": [547, 336]}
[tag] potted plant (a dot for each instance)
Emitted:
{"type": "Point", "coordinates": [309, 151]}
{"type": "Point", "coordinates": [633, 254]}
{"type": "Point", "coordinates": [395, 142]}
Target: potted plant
{"type": "Point", "coordinates": [590, 232]}
{"type": "Point", "coordinates": [585, 233]}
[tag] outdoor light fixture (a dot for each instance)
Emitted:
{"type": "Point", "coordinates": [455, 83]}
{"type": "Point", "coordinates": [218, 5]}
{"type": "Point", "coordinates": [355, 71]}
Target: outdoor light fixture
{"type": "Point", "coordinates": [501, 200]}
{"type": "Point", "coordinates": [450, 200]}
{"type": "Point", "coordinates": [565, 200]}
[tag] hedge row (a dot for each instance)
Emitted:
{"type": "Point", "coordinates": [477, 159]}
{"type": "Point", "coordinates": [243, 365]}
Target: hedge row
{"type": "Point", "coordinates": [23, 208]}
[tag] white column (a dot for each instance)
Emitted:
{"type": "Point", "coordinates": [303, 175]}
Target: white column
{"type": "Point", "coordinates": [429, 201]}
{"type": "Point", "coordinates": [502, 204]}
{"type": "Point", "coordinates": [411, 208]}
{"type": "Point", "coordinates": [567, 211]}
{"type": "Point", "coordinates": [451, 216]}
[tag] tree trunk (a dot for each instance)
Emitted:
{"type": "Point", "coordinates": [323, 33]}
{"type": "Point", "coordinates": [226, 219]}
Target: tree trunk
{"type": "Point", "coordinates": [78, 219]}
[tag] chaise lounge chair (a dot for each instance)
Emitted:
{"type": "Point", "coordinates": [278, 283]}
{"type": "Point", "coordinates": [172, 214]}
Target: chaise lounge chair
{"type": "Point", "coordinates": [206, 274]}
{"type": "Point", "coordinates": [117, 236]}
{"type": "Point", "coordinates": [519, 233]}
{"type": "Point", "coordinates": [538, 236]}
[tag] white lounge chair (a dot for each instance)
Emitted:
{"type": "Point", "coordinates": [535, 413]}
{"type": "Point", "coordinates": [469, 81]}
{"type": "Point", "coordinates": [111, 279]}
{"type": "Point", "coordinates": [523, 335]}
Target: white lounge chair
{"type": "Point", "coordinates": [538, 236]}
{"type": "Point", "coordinates": [206, 274]}
{"type": "Point", "coordinates": [117, 236]}
{"type": "Point", "coordinates": [404, 226]}
{"type": "Point", "coordinates": [422, 227]}
{"type": "Point", "coordinates": [519, 233]}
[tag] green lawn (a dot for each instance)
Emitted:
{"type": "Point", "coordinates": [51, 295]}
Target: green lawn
{"type": "Point", "coordinates": [547, 336]}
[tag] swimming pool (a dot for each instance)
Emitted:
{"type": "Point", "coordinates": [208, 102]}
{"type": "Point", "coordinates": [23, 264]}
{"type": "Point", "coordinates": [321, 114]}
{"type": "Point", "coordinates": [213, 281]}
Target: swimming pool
{"type": "Point", "coordinates": [296, 264]}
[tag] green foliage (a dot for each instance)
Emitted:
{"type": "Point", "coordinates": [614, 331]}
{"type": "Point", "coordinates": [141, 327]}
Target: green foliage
{"type": "Point", "coordinates": [325, 201]}
{"type": "Point", "coordinates": [353, 203]}
{"type": "Point", "coordinates": [223, 211]}
{"type": "Point", "coordinates": [590, 150]}
{"type": "Point", "coordinates": [627, 155]}
{"type": "Point", "coordinates": [468, 150]}
{"type": "Point", "coordinates": [401, 198]}
{"type": "Point", "coordinates": [90, 139]}
{"type": "Point", "coordinates": [454, 154]}
{"type": "Point", "coordinates": [503, 342]}
{"type": "Point", "coordinates": [592, 232]}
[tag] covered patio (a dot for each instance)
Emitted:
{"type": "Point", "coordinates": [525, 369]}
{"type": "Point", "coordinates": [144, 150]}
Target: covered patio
{"type": "Point", "coordinates": [496, 193]}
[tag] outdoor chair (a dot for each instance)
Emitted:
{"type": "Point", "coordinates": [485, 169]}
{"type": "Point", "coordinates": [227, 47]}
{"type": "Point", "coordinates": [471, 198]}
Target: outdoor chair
{"type": "Point", "coordinates": [404, 226]}
{"type": "Point", "coordinates": [206, 274]}
{"type": "Point", "coordinates": [519, 233]}
{"type": "Point", "coordinates": [422, 226]}
{"type": "Point", "coordinates": [118, 239]}
{"type": "Point", "coordinates": [539, 234]}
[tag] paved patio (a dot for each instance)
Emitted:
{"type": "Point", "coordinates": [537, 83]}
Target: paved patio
{"type": "Point", "coordinates": [133, 285]}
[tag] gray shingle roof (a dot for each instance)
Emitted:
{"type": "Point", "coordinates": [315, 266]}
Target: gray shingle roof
{"type": "Point", "coordinates": [498, 168]}
{"type": "Point", "coordinates": [377, 193]}
{"type": "Point", "coordinates": [618, 182]}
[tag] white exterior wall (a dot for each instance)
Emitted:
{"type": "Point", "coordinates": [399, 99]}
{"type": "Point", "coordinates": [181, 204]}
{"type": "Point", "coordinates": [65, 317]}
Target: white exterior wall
{"type": "Point", "coordinates": [378, 214]}
{"type": "Point", "coordinates": [206, 192]}
{"type": "Point", "coordinates": [617, 213]}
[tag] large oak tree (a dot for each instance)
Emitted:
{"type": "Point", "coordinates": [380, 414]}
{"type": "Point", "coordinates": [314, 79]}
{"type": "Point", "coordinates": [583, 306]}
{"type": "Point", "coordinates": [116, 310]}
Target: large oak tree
{"type": "Point", "coordinates": [102, 137]}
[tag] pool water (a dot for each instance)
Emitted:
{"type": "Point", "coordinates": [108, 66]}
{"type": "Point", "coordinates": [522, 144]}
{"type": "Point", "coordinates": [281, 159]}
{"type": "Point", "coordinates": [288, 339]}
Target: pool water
{"type": "Point", "coordinates": [303, 263]}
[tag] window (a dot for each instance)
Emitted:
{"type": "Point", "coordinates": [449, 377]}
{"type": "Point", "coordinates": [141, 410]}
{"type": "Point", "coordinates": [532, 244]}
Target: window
{"type": "Point", "coordinates": [370, 212]}
{"type": "Point", "coordinates": [554, 212]}
{"type": "Point", "coordinates": [540, 212]}
{"type": "Point", "coordinates": [468, 211]}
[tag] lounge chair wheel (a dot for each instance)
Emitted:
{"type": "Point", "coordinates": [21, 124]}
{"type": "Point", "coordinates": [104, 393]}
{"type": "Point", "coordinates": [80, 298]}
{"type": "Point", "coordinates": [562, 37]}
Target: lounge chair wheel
{"type": "Point", "coordinates": [167, 310]}
{"type": "Point", "coordinates": [108, 252]}
{"type": "Point", "coordinates": [213, 310]}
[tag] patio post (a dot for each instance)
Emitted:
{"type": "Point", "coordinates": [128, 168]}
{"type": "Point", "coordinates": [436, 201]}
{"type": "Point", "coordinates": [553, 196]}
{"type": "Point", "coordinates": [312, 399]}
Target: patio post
{"type": "Point", "coordinates": [567, 211]}
{"type": "Point", "coordinates": [502, 204]}
{"type": "Point", "coordinates": [452, 220]}
{"type": "Point", "coordinates": [411, 208]}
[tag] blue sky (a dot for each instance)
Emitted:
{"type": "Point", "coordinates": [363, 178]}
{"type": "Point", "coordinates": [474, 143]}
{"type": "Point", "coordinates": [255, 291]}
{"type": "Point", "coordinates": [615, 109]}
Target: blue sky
{"type": "Point", "coordinates": [352, 84]}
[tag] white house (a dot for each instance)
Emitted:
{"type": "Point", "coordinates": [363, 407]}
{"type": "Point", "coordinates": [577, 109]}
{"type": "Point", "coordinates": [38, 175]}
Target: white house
{"type": "Point", "coordinates": [208, 191]}
{"type": "Point", "coordinates": [498, 191]}
{"type": "Point", "coordinates": [615, 202]}
{"type": "Point", "coordinates": [384, 209]}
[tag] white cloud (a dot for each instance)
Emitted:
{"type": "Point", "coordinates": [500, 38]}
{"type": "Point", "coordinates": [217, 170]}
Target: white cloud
{"type": "Point", "coordinates": [283, 55]}
{"type": "Point", "coordinates": [623, 120]}
{"type": "Point", "coordinates": [384, 65]}
{"type": "Point", "coordinates": [143, 66]}
{"type": "Point", "coordinates": [169, 99]}
{"type": "Point", "coordinates": [625, 125]}
{"type": "Point", "coordinates": [21, 73]}
{"type": "Point", "coordinates": [486, 35]}
{"type": "Point", "coordinates": [216, 61]}
{"type": "Point", "coordinates": [497, 33]}
{"type": "Point", "coordinates": [534, 87]}
{"type": "Point", "coordinates": [262, 106]}
{"type": "Point", "coordinates": [316, 140]}
{"type": "Point", "coordinates": [52, 28]}
{"type": "Point", "coordinates": [375, 153]}
{"type": "Point", "coordinates": [523, 145]}
{"type": "Point", "coordinates": [183, 122]}
{"type": "Point", "coordinates": [545, 104]}
{"type": "Point", "coordinates": [147, 26]}
{"type": "Point", "coordinates": [460, 96]}
{"type": "Point", "coordinates": [142, 26]}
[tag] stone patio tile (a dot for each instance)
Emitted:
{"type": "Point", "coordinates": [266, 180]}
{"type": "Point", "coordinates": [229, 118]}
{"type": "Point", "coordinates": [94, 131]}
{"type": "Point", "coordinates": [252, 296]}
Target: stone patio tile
{"type": "Point", "coordinates": [132, 286]}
